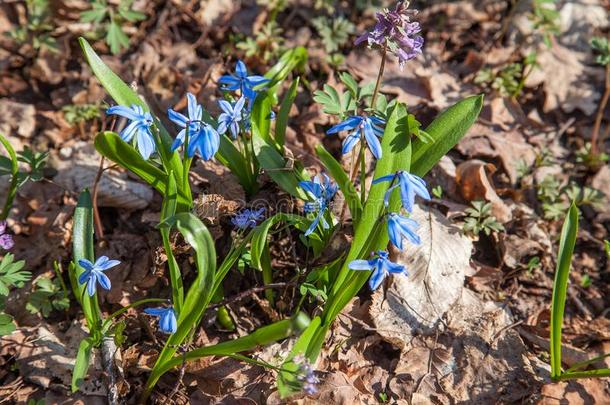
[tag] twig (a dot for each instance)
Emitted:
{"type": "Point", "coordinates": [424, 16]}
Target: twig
{"type": "Point", "coordinates": [600, 113]}
{"type": "Point", "coordinates": [99, 228]}
{"type": "Point", "coordinates": [109, 350]}
{"type": "Point", "coordinates": [180, 377]}
{"type": "Point", "coordinates": [254, 290]}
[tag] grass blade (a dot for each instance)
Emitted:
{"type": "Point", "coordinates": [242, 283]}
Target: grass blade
{"type": "Point", "coordinates": [560, 286]}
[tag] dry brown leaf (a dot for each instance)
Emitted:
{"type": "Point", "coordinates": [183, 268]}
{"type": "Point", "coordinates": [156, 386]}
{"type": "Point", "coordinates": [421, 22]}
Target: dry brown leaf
{"type": "Point", "coordinates": [473, 177]}
{"type": "Point", "coordinates": [436, 276]}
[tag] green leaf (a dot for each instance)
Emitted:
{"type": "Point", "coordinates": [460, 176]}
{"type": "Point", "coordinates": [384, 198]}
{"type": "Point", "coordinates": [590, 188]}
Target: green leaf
{"type": "Point", "coordinates": [230, 157]}
{"type": "Point", "coordinates": [295, 58]}
{"type": "Point", "coordinates": [281, 122]}
{"type": "Point", "coordinates": [110, 145]}
{"type": "Point", "coordinates": [115, 37]}
{"type": "Point", "coordinates": [95, 15]}
{"type": "Point", "coordinates": [560, 286]}
{"type": "Point", "coordinates": [445, 132]}
{"type": "Point", "coordinates": [11, 274]}
{"type": "Point", "coordinates": [83, 358]}
{"type": "Point", "coordinates": [82, 248]}
{"type": "Point", "coordinates": [276, 167]}
{"type": "Point", "coordinates": [352, 199]}
{"type": "Point", "coordinates": [200, 292]}
{"type": "Point", "coordinates": [168, 210]}
{"type": "Point", "coordinates": [7, 326]}
{"type": "Point", "coordinates": [260, 233]}
{"type": "Point", "coordinates": [14, 171]}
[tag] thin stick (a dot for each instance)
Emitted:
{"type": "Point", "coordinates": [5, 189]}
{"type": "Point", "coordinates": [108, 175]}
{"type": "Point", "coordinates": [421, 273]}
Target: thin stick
{"type": "Point", "coordinates": [245, 294]}
{"type": "Point", "coordinates": [600, 114]}
{"type": "Point", "coordinates": [99, 228]}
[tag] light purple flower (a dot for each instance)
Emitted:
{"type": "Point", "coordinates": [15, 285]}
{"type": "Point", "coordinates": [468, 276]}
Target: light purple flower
{"type": "Point", "coordinates": [247, 218]}
{"type": "Point", "coordinates": [231, 116]}
{"type": "Point", "coordinates": [6, 240]}
{"type": "Point", "coordinates": [395, 29]}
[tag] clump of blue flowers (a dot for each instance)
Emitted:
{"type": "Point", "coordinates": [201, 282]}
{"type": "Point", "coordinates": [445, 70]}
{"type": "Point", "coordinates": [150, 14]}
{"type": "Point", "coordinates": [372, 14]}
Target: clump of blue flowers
{"type": "Point", "coordinates": [94, 273]}
{"type": "Point", "coordinates": [322, 189]}
{"type": "Point", "coordinates": [139, 127]}
{"type": "Point", "coordinates": [167, 318]}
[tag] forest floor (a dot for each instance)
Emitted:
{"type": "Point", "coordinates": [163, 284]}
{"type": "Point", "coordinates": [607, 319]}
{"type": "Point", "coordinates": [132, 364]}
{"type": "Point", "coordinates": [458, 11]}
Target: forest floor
{"type": "Point", "coordinates": [476, 334]}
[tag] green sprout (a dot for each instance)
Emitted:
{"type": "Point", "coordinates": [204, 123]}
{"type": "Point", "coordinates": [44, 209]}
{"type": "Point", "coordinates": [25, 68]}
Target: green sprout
{"type": "Point", "coordinates": [109, 20]}
{"type": "Point", "coordinates": [480, 219]}
{"type": "Point", "coordinates": [37, 30]}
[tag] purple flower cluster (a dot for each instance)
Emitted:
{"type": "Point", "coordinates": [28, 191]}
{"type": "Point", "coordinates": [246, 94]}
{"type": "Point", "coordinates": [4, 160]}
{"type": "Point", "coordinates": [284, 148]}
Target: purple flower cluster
{"type": "Point", "coordinates": [306, 375]}
{"type": "Point", "coordinates": [6, 240]}
{"type": "Point", "coordinates": [395, 31]}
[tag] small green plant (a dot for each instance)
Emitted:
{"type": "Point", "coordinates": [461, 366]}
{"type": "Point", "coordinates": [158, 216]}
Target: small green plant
{"type": "Point", "coordinates": [437, 192]}
{"type": "Point", "coordinates": [9, 165]}
{"type": "Point", "coordinates": [267, 45]}
{"type": "Point", "coordinates": [601, 46]}
{"type": "Point", "coordinates": [545, 18]}
{"type": "Point", "coordinates": [560, 290]}
{"type": "Point", "coordinates": [510, 80]}
{"type": "Point", "coordinates": [335, 34]}
{"type": "Point", "coordinates": [12, 275]}
{"type": "Point", "coordinates": [480, 219]}
{"type": "Point", "coordinates": [553, 197]}
{"type": "Point", "coordinates": [48, 295]}
{"type": "Point", "coordinates": [109, 20]}
{"type": "Point", "coordinates": [77, 113]}
{"type": "Point", "coordinates": [37, 30]}
{"type": "Point", "coordinates": [533, 264]}
{"type": "Point", "coordinates": [587, 156]}
{"type": "Point", "coordinates": [585, 281]}
{"type": "Point", "coordinates": [584, 195]}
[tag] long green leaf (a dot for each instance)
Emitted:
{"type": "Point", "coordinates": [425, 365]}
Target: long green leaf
{"type": "Point", "coordinates": [446, 131]}
{"type": "Point", "coordinates": [82, 248]}
{"type": "Point", "coordinates": [81, 365]}
{"type": "Point", "coordinates": [12, 189]}
{"type": "Point", "coordinates": [295, 58]}
{"type": "Point", "coordinates": [560, 286]}
{"type": "Point", "coordinates": [200, 292]}
{"type": "Point", "coordinates": [168, 210]}
{"type": "Point", "coordinates": [275, 166]}
{"type": "Point", "coordinates": [281, 122]}
{"type": "Point", "coordinates": [352, 199]}
{"type": "Point", "coordinates": [230, 157]}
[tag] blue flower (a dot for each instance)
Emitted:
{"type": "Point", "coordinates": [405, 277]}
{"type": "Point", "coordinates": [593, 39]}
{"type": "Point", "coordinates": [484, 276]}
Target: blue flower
{"type": "Point", "coordinates": [241, 81]}
{"type": "Point", "coordinates": [94, 273]}
{"type": "Point", "coordinates": [193, 122]}
{"type": "Point", "coordinates": [410, 185]}
{"type": "Point", "coordinates": [370, 126]}
{"type": "Point", "coordinates": [323, 192]}
{"type": "Point", "coordinates": [231, 116]}
{"type": "Point", "coordinates": [139, 126]}
{"type": "Point", "coordinates": [167, 318]}
{"type": "Point", "coordinates": [381, 267]}
{"type": "Point", "coordinates": [247, 218]}
{"type": "Point", "coordinates": [400, 227]}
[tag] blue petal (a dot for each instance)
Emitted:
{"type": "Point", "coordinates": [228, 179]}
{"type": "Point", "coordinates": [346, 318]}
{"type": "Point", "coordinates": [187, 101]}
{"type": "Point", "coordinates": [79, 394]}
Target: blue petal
{"type": "Point", "coordinates": [350, 123]}
{"type": "Point", "coordinates": [311, 187]}
{"type": "Point", "coordinates": [360, 265]}
{"type": "Point", "coordinates": [193, 107]}
{"type": "Point", "coordinates": [226, 106]}
{"type": "Point", "coordinates": [108, 264]}
{"type": "Point", "coordinates": [313, 226]}
{"type": "Point", "coordinates": [222, 126]}
{"type": "Point", "coordinates": [388, 194]}
{"type": "Point", "coordinates": [123, 112]}
{"type": "Point", "coordinates": [407, 196]}
{"type": "Point", "coordinates": [91, 284]}
{"type": "Point", "coordinates": [239, 105]}
{"type": "Point", "coordinates": [230, 82]}
{"type": "Point", "coordinates": [103, 280]}
{"type": "Point", "coordinates": [350, 142]}
{"type": "Point", "coordinates": [389, 177]}
{"type": "Point", "coordinates": [372, 140]}
{"type": "Point", "coordinates": [255, 80]}
{"type": "Point", "coordinates": [85, 264]}
{"type": "Point", "coordinates": [241, 70]}
{"type": "Point", "coordinates": [177, 118]}
{"type": "Point", "coordinates": [376, 278]}
{"type": "Point", "coordinates": [179, 140]}
{"type": "Point", "coordinates": [396, 268]}
{"type": "Point", "coordinates": [146, 146]}
{"type": "Point", "coordinates": [129, 131]}
{"type": "Point", "coordinates": [155, 311]}
{"type": "Point", "coordinates": [394, 233]}
{"type": "Point", "coordinates": [84, 276]}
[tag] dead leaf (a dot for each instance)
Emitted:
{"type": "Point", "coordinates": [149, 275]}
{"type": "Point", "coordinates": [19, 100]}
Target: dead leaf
{"type": "Point", "coordinates": [473, 177]}
{"type": "Point", "coordinates": [415, 304]}
{"type": "Point", "coordinates": [17, 118]}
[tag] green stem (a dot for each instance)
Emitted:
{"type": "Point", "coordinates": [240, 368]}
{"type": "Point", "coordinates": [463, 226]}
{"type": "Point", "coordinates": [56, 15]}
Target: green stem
{"type": "Point", "coordinates": [379, 76]}
{"type": "Point", "coordinates": [12, 190]}
{"type": "Point", "coordinates": [362, 159]}
{"type": "Point", "coordinates": [605, 372]}
{"type": "Point", "coordinates": [186, 165]}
